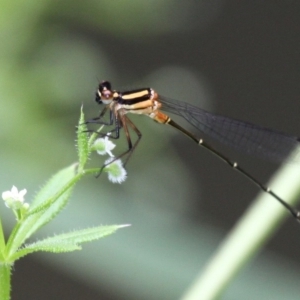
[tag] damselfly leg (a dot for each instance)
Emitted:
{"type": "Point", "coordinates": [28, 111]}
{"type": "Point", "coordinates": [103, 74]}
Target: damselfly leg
{"type": "Point", "coordinates": [118, 120]}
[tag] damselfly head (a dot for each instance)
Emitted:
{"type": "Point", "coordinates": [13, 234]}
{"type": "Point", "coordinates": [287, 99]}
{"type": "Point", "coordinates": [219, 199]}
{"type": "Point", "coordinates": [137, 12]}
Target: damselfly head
{"type": "Point", "coordinates": [104, 93]}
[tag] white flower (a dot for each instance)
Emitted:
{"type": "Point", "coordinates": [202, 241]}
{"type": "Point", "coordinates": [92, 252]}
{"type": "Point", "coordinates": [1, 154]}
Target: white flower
{"type": "Point", "coordinates": [104, 146]}
{"type": "Point", "coordinates": [15, 199]}
{"type": "Point", "coordinates": [115, 170]}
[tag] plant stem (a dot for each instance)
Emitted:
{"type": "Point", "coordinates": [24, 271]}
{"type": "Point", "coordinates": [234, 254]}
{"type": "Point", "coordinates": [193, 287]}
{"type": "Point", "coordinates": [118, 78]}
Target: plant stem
{"type": "Point", "coordinates": [5, 275]}
{"type": "Point", "coordinates": [250, 234]}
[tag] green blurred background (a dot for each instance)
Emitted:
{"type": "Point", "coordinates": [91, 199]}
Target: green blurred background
{"type": "Point", "coordinates": [239, 59]}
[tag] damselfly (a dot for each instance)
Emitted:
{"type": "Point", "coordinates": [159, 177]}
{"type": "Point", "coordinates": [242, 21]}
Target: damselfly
{"type": "Point", "coordinates": [244, 136]}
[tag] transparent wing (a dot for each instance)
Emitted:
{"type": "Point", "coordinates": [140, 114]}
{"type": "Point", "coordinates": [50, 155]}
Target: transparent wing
{"type": "Point", "coordinates": [244, 136]}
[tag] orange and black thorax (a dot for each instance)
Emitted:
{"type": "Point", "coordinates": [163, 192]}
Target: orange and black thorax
{"type": "Point", "coordinates": [144, 101]}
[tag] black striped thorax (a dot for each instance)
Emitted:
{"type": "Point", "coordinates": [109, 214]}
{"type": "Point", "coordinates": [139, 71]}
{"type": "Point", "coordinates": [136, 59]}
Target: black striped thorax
{"type": "Point", "coordinates": [134, 96]}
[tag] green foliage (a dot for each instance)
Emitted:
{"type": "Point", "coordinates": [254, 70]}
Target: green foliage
{"type": "Point", "coordinates": [67, 242]}
{"type": "Point", "coordinates": [82, 142]}
{"type": "Point", "coordinates": [47, 204]}
{"type": "Point", "coordinates": [51, 199]}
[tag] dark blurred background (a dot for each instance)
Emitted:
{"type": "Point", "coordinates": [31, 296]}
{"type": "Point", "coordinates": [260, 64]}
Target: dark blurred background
{"type": "Point", "coordinates": [236, 58]}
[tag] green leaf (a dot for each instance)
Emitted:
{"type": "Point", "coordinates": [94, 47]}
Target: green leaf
{"type": "Point", "coordinates": [56, 183]}
{"type": "Point", "coordinates": [86, 235]}
{"type": "Point", "coordinates": [82, 142]}
{"type": "Point", "coordinates": [53, 196]}
{"type": "Point", "coordinates": [59, 247]}
{"type": "Point", "coordinates": [2, 242]}
{"type": "Point", "coordinates": [67, 242]}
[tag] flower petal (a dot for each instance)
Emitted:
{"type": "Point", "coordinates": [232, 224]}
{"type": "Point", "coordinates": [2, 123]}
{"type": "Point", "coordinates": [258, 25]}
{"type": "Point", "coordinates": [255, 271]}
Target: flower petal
{"type": "Point", "coordinates": [6, 195]}
{"type": "Point", "coordinates": [115, 170]}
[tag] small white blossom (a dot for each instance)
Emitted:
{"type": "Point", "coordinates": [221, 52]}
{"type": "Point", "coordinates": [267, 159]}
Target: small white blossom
{"type": "Point", "coordinates": [115, 170]}
{"type": "Point", "coordinates": [15, 199]}
{"type": "Point", "coordinates": [104, 146]}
